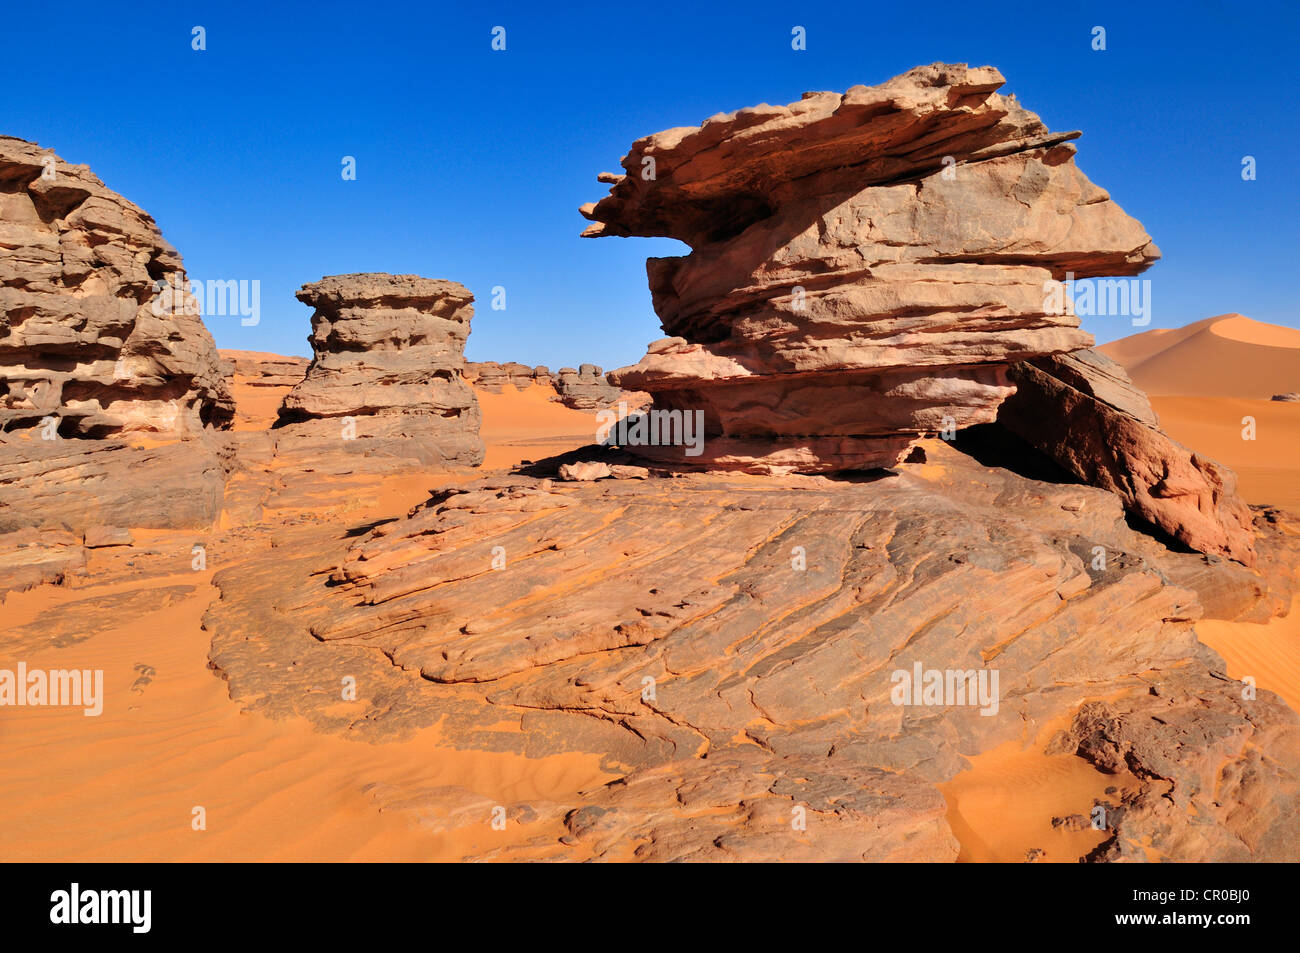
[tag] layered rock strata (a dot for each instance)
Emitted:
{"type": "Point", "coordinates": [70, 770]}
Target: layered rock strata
{"type": "Point", "coordinates": [263, 369]}
{"type": "Point", "coordinates": [385, 381]}
{"type": "Point", "coordinates": [732, 652]}
{"type": "Point", "coordinates": [864, 266]}
{"type": "Point", "coordinates": [110, 386]}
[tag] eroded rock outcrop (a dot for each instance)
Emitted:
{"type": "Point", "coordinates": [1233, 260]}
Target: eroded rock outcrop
{"type": "Point", "coordinates": [263, 369]}
{"type": "Point", "coordinates": [101, 349]}
{"type": "Point", "coordinates": [1085, 413]}
{"type": "Point", "coordinates": [495, 377]}
{"type": "Point", "coordinates": [864, 266]}
{"type": "Point", "coordinates": [581, 388]}
{"type": "Point", "coordinates": [385, 382]}
{"type": "Point", "coordinates": [87, 335]}
{"type": "Point", "coordinates": [730, 647]}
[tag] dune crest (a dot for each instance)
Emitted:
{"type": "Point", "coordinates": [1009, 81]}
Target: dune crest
{"type": "Point", "coordinates": [1228, 355]}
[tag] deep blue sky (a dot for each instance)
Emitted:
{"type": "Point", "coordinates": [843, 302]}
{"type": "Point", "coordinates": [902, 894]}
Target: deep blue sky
{"type": "Point", "coordinates": [472, 163]}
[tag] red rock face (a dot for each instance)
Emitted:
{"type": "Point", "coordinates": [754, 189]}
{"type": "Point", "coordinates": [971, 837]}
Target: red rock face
{"type": "Point", "coordinates": [863, 266]}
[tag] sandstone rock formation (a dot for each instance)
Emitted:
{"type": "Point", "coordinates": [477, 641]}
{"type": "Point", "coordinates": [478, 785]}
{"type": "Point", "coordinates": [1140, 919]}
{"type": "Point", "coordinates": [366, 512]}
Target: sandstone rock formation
{"type": "Point", "coordinates": [586, 388]}
{"type": "Point", "coordinates": [863, 268]}
{"type": "Point", "coordinates": [385, 381]}
{"type": "Point", "coordinates": [263, 369]}
{"type": "Point", "coordinates": [101, 347]}
{"type": "Point", "coordinates": [1290, 397]}
{"type": "Point", "coordinates": [495, 377]}
{"type": "Point", "coordinates": [729, 645]}
{"type": "Point", "coordinates": [581, 388]}
{"type": "Point", "coordinates": [80, 338]}
{"type": "Point", "coordinates": [1084, 412]}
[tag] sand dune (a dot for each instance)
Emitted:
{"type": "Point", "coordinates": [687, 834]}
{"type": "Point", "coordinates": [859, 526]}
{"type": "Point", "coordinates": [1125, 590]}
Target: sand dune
{"type": "Point", "coordinates": [1225, 356]}
{"type": "Point", "coordinates": [1208, 379]}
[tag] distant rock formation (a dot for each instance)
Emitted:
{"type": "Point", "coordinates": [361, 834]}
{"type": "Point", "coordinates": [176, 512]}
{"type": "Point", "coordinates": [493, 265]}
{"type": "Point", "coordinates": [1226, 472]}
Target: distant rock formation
{"type": "Point", "coordinates": [385, 381]}
{"type": "Point", "coordinates": [101, 347]}
{"type": "Point", "coordinates": [1082, 410]}
{"type": "Point", "coordinates": [1288, 397]}
{"type": "Point", "coordinates": [581, 388]}
{"type": "Point", "coordinates": [263, 369]}
{"type": "Point", "coordinates": [864, 267]}
{"type": "Point", "coordinates": [495, 377]}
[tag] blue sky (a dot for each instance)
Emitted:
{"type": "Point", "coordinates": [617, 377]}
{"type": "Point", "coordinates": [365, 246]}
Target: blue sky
{"type": "Point", "coordinates": [471, 163]}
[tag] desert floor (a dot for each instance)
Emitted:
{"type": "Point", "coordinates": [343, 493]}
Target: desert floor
{"type": "Point", "coordinates": [124, 786]}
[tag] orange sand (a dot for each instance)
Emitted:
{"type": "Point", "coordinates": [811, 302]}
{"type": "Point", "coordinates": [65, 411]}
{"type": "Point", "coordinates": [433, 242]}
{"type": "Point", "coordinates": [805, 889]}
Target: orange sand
{"type": "Point", "coordinates": [1268, 652]}
{"type": "Point", "coordinates": [256, 407]}
{"type": "Point", "coordinates": [528, 425]}
{"type": "Point", "coordinates": [123, 785]}
{"type": "Point", "coordinates": [1002, 807]}
{"type": "Point", "coordinates": [1268, 467]}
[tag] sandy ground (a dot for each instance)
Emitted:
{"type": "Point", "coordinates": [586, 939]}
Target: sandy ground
{"type": "Point", "coordinates": [1269, 653]}
{"type": "Point", "coordinates": [1001, 809]}
{"type": "Point", "coordinates": [124, 785]}
{"type": "Point", "coordinates": [1268, 467]}
{"type": "Point", "coordinates": [528, 425]}
{"type": "Point", "coordinates": [256, 408]}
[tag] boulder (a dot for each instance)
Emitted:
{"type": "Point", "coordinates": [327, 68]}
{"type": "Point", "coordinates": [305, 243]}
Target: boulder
{"type": "Point", "coordinates": [1082, 410]}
